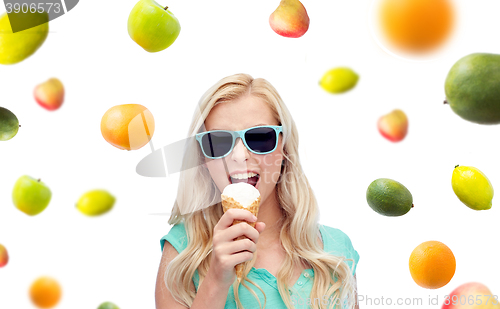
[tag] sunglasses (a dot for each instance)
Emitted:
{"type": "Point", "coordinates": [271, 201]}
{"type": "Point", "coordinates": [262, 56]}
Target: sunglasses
{"type": "Point", "coordinates": [219, 143]}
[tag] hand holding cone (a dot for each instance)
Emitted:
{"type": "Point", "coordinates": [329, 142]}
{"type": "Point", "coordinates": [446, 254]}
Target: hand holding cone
{"type": "Point", "coordinates": [230, 199]}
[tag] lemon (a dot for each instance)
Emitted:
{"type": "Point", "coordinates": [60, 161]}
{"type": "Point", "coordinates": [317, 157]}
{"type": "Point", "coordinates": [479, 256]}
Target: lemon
{"type": "Point", "coordinates": [472, 187]}
{"type": "Point", "coordinates": [339, 80]}
{"type": "Point", "coordinates": [95, 202]}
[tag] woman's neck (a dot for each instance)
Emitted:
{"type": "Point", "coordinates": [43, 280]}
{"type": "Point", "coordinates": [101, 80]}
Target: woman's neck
{"type": "Point", "coordinates": [271, 214]}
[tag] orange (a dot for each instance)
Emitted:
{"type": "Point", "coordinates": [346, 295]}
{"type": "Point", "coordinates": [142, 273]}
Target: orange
{"type": "Point", "coordinates": [45, 292]}
{"type": "Point", "coordinates": [417, 25]}
{"type": "Point", "coordinates": [128, 126]}
{"type": "Point", "coordinates": [432, 264]}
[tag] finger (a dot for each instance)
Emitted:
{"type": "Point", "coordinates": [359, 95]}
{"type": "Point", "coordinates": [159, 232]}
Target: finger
{"type": "Point", "coordinates": [240, 257]}
{"type": "Point", "coordinates": [240, 229]}
{"type": "Point", "coordinates": [234, 214]}
{"type": "Point", "coordinates": [260, 226]}
{"type": "Point", "coordinates": [242, 245]}
{"type": "Point", "coordinates": [232, 247]}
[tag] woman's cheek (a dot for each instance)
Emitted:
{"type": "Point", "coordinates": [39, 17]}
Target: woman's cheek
{"type": "Point", "coordinates": [277, 167]}
{"type": "Point", "coordinates": [217, 172]}
{"type": "Point", "coordinates": [271, 167]}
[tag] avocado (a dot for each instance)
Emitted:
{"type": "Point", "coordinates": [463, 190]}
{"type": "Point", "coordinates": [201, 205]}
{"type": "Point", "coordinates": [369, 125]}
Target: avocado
{"type": "Point", "coordinates": [9, 125]}
{"type": "Point", "coordinates": [389, 197]}
{"type": "Point", "coordinates": [472, 88]}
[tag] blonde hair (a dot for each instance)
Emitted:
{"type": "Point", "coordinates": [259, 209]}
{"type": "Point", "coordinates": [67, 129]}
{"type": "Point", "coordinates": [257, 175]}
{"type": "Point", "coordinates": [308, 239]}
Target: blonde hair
{"type": "Point", "coordinates": [299, 231]}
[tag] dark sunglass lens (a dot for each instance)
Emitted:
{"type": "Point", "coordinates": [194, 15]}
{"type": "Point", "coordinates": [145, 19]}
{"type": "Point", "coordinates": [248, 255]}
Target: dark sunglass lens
{"type": "Point", "coordinates": [217, 144]}
{"type": "Point", "coordinates": [261, 139]}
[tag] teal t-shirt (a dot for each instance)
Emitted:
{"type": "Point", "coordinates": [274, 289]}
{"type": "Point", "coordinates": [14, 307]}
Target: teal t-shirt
{"type": "Point", "coordinates": [335, 242]}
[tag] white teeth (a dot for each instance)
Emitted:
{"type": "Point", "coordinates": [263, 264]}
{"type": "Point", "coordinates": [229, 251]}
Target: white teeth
{"type": "Point", "coordinates": [243, 176]}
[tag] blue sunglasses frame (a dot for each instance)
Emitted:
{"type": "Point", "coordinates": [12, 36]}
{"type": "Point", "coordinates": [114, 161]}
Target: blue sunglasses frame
{"type": "Point", "coordinates": [240, 134]}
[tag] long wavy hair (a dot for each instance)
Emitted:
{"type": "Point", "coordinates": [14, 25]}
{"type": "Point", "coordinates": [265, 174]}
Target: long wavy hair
{"type": "Point", "coordinates": [198, 206]}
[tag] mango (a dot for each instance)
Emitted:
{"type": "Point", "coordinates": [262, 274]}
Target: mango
{"type": "Point", "coordinates": [290, 19]}
{"type": "Point", "coordinates": [4, 256]}
{"type": "Point", "coordinates": [472, 88]}
{"type": "Point", "coordinates": [471, 295]}
{"type": "Point", "coordinates": [9, 124]}
{"type": "Point", "coordinates": [393, 126]}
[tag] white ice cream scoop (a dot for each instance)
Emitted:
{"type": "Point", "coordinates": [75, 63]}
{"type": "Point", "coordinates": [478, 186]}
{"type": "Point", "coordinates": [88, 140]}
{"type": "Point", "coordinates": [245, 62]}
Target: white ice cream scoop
{"type": "Point", "coordinates": [242, 192]}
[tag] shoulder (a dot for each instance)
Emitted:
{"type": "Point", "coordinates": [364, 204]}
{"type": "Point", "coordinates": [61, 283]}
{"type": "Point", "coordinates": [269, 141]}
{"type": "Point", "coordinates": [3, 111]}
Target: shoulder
{"type": "Point", "coordinates": [177, 237]}
{"type": "Point", "coordinates": [336, 242]}
{"type": "Point", "coordinates": [335, 238]}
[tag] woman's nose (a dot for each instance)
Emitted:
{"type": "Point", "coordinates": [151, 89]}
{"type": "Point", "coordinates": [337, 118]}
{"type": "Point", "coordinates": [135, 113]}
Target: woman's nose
{"type": "Point", "coordinates": [240, 152]}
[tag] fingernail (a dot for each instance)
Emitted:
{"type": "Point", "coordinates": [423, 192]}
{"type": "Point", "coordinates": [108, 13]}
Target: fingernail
{"type": "Point", "coordinates": [254, 218]}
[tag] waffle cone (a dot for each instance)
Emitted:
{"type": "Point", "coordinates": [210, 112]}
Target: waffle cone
{"type": "Point", "coordinates": [230, 203]}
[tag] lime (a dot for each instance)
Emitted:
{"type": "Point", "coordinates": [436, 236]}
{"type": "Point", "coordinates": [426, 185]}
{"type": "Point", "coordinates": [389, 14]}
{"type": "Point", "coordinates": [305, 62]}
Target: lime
{"type": "Point", "coordinates": [95, 202]}
{"type": "Point", "coordinates": [472, 187]}
{"type": "Point", "coordinates": [339, 80]}
{"type": "Point", "coordinates": [389, 197]}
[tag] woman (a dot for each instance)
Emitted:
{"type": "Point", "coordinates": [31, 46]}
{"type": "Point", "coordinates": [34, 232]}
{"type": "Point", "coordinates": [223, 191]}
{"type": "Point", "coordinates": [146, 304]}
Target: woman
{"type": "Point", "coordinates": [294, 261]}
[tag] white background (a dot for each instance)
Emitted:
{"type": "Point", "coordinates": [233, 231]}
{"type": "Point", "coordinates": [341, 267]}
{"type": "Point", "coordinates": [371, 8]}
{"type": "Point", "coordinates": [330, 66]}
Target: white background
{"type": "Point", "coordinates": [115, 257]}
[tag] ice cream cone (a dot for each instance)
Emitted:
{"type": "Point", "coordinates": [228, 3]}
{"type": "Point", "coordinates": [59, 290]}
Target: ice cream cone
{"type": "Point", "coordinates": [230, 203]}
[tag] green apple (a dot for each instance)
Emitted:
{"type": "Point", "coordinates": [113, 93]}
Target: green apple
{"type": "Point", "coordinates": [95, 202]}
{"type": "Point", "coordinates": [108, 305]}
{"type": "Point", "coordinates": [152, 26]}
{"type": "Point", "coordinates": [30, 195]}
{"type": "Point", "coordinates": [15, 47]}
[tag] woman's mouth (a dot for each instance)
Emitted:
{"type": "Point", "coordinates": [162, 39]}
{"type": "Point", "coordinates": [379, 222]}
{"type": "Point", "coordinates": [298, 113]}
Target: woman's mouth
{"type": "Point", "coordinates": [250, 178]}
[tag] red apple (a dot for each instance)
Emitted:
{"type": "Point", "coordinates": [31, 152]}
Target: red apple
{"type": "Point", "coordinates": [290, 19]}
{"type": "Point", "coordinates": [472, 295]}
{"type": "Point", "coordinates": [393, 126]}
{"type": "Point", "coordinates": [50, 94]}
{"type": "Point", "coordinates": [4, 256]}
